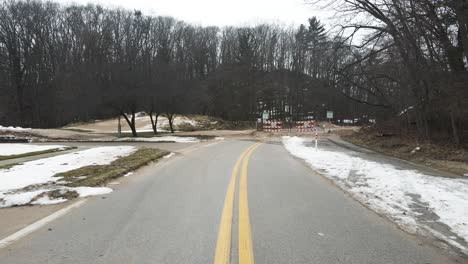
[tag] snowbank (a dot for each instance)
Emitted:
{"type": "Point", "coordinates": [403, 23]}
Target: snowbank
{"type": "Point", "coordinates": [39, 174]}
{"type": "Point", "coordinates": [392, 191]}
{"type": "Point", "coordinates": [162, 139]}
{"type": "Point", "coordinates": [13, 129]}
{"type": "Point", "coordinates": [45, 200]}
{"type": "Point", "coordinates": [170, 155]}
{"type": "Point", "coordinates": [7, 149]}
{"type": "Point", "coordinates": [90, 191]}
{"type": "Point", "coordinates": [21, 198]}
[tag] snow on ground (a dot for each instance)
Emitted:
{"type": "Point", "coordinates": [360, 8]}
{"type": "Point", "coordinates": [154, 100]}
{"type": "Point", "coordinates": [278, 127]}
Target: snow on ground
{"type": "Point", "coordinates": [7, 149]}
{"type": "Point", "coordinates": [399, 194]}
{"type": "Point", "coordinates": [90, 191]}
{"type": "Point", "coordinates": [37, 173]}
{"type": "Point", "coordinates": [162, 139]}
{"type": "Point", "coordinates": [170, 155]}
{"type": "Point", "coordinates": [13, 129]}
{"type": "Point", "coordinates": [21, 198]}
{"type": "Point", "coordinates": [143, 124]}
{"type": "Point", "coordinates": [144, 130]}
{"type": "Point", "coordinates": [45, 200]}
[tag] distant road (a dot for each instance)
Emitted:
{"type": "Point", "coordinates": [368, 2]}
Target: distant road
{"type": "Point", "coordinates": [229, 202]}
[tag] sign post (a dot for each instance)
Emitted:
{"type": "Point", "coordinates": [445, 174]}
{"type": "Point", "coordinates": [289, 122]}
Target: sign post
{"type": "Point", "coordinates": [288, 121]}
{"type": "Point", "coordinates": [316, 138]}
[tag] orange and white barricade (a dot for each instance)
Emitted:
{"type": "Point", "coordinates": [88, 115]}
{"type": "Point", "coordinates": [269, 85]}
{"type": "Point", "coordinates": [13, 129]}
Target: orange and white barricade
{"type": "Point", "coordinates": [305, 126]}
{"type": "Point", "coordinates": [272, 125]}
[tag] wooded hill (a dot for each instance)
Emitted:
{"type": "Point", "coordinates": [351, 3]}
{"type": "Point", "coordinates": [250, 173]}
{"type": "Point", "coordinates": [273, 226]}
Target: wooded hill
{"type": "Point", "coordinates": [74, 63]}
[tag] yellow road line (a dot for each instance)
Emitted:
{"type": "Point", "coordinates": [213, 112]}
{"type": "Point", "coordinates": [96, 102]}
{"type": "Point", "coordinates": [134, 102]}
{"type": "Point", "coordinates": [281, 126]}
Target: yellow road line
{"type": "Point", "coordinates": [245, 237]}
{"type": "Point", "coordinates": [223, 244]}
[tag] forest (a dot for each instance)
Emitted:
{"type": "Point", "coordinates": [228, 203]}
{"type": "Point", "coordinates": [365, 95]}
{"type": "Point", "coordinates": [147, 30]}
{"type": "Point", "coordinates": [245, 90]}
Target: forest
{"type": "Point", "coordinates": [402, 64]}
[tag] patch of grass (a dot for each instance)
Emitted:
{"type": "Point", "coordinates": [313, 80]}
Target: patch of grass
{"type": "Point", "coordinates": [186, 127]}
{"type": "Point", "coordinates": [442, 157]}
{"type": "Point", "coordinates": [77, 130]}
{"type": "Point", "coordinates": [96, 175]}
{"type": "Point", "coordinates": [161, 134]}
{"type": "Point", "coordinates": [34, 153]}
{"type": "Point", "coordinates": [140, 134]}
{"type": "Point", "coordinates": [61, 193]}
{"type": "Point", "coordinates": [201, 137]}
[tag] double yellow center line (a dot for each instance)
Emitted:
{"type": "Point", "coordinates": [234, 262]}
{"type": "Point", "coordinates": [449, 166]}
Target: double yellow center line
{"type": "Point", "coordinates": [223, 245]}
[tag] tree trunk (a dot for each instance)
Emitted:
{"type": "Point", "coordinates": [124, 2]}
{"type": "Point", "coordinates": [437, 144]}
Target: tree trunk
{"type": "Point", "coordinates": [462, 17]}
{"type": "Point", "coordinates": [170, 118]}
{"type": "Point", "coordinates": [19, 95]}
{"type": "Point", "coordinates": [456, 139]}
{"type": "Point", "coordinates": [427, 132]}
{"type": "Point", "coordinates": [131, 122]}
{"type": "Point", "coordinates": [154, 122]}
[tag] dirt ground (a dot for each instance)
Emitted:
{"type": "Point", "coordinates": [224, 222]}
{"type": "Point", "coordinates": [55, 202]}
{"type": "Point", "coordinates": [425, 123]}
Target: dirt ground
{"type": "Point", "coordinates": [143, 124]}
{"type": "Point", "coordinates": [442, 157]}
{"type": "Point", "coordinates": [106, 130]}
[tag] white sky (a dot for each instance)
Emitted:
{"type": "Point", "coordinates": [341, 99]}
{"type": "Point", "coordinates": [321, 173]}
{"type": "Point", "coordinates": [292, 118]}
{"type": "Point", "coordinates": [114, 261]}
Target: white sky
{"type": "Point", "coordinates": [221, 12]}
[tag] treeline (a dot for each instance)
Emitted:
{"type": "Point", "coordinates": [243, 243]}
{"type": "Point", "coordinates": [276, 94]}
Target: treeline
{"type": "Point", "coordinates": [411, 61]}
{"type": "Point", "coordinates": [71, 63]}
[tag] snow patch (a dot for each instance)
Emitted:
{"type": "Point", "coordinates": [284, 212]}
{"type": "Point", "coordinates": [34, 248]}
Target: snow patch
{"type": "Point", "coordinates": [140, 130]}
{"type": "Point", "coordinates": [91, 191]}
{"type": "Point", "coordinates": [46, 200]}
{"type": "Point", "coordinates": [39, 175]}
{"type": "Point", "coordinates": [42, 171]}
{"type": "Point", "coordinates": [404, 111]}
{"type": "Point", "coordinates": [7, 149]}
{"type": "Point", "coordinates": [169, 155]}
{"type": "Point", "coordinates": [392, 191]}
{"type": "Point", "coordinates": [416, 149]}
{"type": "Point", "coordinates": [13, 129]}
{"type": "Point", "coordinates": [39, 197]}
{"type": "Point", "coordinates": [7, 200]}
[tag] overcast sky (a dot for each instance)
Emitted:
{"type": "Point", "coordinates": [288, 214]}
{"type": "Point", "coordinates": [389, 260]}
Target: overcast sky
{"type": "Point", "coordinates": [221, 12]}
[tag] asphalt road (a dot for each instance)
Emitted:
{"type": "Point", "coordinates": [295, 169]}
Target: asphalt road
{"type": "Point", "coordinates": [234, 201]}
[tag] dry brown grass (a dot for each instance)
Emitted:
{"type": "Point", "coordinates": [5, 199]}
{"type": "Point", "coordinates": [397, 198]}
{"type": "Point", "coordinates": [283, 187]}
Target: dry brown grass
{"type": "Point", "coordinates": [444, 157]}
{"type": "Point", "coordinates": [34, 153]}
{"type": "Point", "coordinates": [96, 175]}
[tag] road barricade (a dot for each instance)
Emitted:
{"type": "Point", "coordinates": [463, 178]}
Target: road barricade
{"type": "Point", "coordinates": [272, 125]}
{"type": "Point", "coordinates": [305, 126]}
